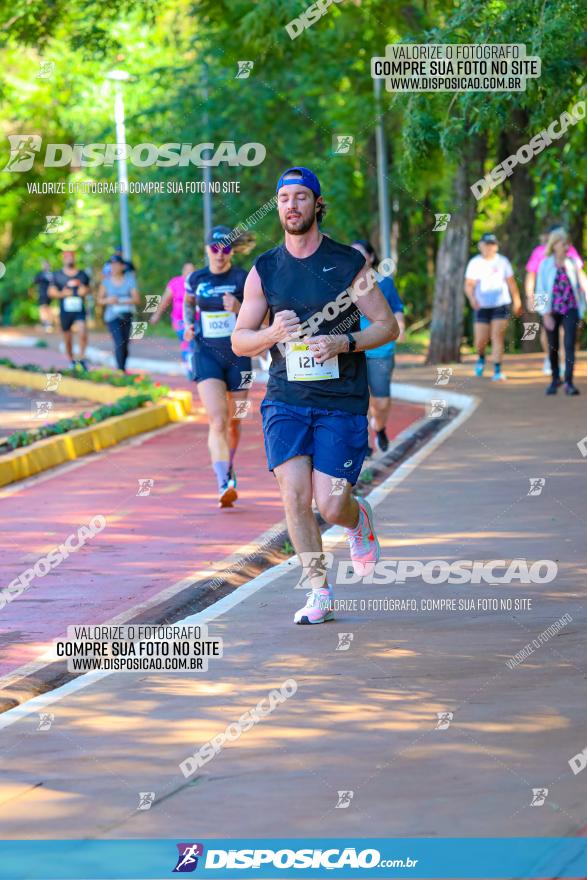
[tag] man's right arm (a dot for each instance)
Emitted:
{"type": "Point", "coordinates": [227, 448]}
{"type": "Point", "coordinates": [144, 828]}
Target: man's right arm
{"type": "Point", "coordinates": [249, 339]}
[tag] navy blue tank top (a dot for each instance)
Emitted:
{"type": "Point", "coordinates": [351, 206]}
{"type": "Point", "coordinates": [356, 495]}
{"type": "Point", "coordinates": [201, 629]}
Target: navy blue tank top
{"type": "Point", "coordinates": [213, 326]}
{"type": "Point", "coordinates": [306, 286]}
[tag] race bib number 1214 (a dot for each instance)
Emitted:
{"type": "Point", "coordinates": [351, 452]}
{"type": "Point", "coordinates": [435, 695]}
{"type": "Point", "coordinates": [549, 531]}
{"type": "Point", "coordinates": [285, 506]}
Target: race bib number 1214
{"type": "Point", "coordinates": [302, 367]}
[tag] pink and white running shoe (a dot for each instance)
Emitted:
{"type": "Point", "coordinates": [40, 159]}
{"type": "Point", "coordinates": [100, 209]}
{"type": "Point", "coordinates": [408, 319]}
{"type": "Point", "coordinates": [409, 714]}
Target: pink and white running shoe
{"type": "Point", "coordinates": [364, 546]}
{"type": "Point", "coordinates": [318, 607]}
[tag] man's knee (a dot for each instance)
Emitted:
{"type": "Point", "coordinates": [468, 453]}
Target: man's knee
{"type": "Point", "coordinates": [295, 496]}
{"type": "Point", "coordinates": [331, 507]}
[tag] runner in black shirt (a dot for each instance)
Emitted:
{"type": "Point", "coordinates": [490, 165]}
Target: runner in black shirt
{"type": "Point", "coordinates": [223, 378]}
{"type": "Point", "coordinates": [70, 285]}
{"type": "Point", "coordinates": [315, 409]}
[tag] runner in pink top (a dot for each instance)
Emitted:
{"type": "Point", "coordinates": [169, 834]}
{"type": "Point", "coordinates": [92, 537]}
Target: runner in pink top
{"type": "Point", "coordinates": [539, 253]}
{"type": "Point", "coordinates": [177, 287]}
{"type": "Point", "coordinates": [174, 293]}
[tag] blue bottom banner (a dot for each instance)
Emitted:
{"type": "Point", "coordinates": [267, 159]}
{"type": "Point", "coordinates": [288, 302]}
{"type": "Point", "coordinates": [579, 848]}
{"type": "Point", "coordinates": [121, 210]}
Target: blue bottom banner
{"type": "Point", "coordinates": [515, 857]}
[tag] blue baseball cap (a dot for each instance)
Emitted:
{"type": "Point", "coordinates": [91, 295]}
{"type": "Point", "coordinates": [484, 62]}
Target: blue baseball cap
{"type": "Point", "coordinates": [218, 234]}
{"type": "Point", "coordinates": [308, 178]}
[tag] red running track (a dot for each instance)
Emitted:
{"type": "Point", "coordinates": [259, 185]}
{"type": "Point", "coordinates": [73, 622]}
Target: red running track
{"type": "Point", "coordinates": [150, 542]}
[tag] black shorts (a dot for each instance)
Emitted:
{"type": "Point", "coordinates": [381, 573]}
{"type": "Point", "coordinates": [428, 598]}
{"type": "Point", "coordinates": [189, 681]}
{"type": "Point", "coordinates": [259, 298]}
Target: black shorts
{"type": "Point", "coordinates": [496, 313]}
{"type": "Point", "coordinates": [44, 298]}
{"type": "Point", "coordinates": [216, 363]}
{"type": "Point", "coordinates": [68, 319]}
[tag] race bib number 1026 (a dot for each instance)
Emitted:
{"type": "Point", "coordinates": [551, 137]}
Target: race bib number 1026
{"type": "Point", "coordinates": [217, 324]}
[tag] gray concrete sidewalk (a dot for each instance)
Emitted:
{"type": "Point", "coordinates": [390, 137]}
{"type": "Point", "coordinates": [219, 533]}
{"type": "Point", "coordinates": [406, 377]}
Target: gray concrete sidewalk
{"type": "Point", "coordinates": [363, 720]}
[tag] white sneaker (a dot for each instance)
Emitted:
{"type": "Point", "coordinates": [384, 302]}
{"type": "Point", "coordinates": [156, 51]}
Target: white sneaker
{"type": "Point", "coordinates": [318, 607]}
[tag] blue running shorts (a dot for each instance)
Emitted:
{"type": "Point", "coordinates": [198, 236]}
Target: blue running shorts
{"type": "Point", "coordinates": [336, 441]}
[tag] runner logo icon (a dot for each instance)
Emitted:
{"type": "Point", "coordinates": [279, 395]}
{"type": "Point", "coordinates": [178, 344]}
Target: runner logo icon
{"type": "Point", "coordinates": [23, 148]}
{"type": "Point", "coordinates": [441, 222]}
{"type": "Point", "coordinates": [444, 719]}
{"type": "Point", "coordinates": [46, 719]}
{"type": "Point", "coordinates": [146, 800]}
{"type": "Point", "coordinates": [244, 69]}
{"type": "Point", "coordinates": [343, 144]}
{"type": "Point", "coordinates": [539, 796]}
{"type": "Point", "coordinates": [152, 301]}
{"type": "Point", "coordinates": [344, 800]}
{"type": "Point", "coordinates": [187, 860]}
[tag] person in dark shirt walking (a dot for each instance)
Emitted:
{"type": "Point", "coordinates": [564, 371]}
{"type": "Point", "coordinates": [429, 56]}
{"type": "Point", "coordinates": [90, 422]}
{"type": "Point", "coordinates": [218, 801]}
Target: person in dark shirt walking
{"type": "Point", "coordinates": [70, 286]}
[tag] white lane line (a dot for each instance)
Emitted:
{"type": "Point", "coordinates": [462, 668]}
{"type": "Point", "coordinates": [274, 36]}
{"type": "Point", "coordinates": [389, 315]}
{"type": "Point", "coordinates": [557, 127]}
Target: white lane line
{"type": "Point", "coordinates": [230, 564]}
{"type": "Point", "coordinates": [332, 536]}
{"type": "Point", "coordinates": [37, 704]}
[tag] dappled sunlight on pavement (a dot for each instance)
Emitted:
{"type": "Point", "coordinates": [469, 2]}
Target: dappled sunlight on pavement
{"type": "Point", "coordinates": [426, 701]}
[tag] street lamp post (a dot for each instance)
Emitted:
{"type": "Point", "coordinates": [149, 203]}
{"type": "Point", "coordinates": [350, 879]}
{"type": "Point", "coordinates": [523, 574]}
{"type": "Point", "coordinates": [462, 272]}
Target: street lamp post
{"type": "Point", "coordinates": [384, 225]}
{"type": "Point", "coordinates": [119, 76]}
{"type": "Point", "coordinates": [206, 170]}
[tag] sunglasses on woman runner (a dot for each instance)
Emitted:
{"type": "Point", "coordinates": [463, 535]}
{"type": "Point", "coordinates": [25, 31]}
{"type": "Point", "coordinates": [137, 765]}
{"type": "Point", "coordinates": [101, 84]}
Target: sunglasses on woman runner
{"type": "Point", "coordinates": [216, 248]}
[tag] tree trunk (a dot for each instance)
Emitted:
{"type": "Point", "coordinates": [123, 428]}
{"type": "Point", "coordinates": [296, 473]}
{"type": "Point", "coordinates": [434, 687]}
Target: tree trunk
{"type": "Point", "coordinates": [577, 226]}
{"type": "Point", "coordinates": [453, 254]}
{"type": "Point", "coordinates": [430, 236]}
{"type": "Point", "coordinates": [520, 235]}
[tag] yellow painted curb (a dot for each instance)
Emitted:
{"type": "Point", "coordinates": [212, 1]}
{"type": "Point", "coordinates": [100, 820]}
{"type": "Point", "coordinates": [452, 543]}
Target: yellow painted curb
{"type": "Point", "coordinates": [102, 393]}
{"type": "Point", "coordinates": [53, 451]}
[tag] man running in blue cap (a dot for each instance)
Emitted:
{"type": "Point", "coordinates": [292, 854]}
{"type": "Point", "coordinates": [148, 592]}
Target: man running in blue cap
{"type": "Point", "coordinates": [315, 408]}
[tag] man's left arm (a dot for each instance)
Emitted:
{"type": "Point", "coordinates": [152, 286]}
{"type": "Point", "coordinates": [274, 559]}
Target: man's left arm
{"type": "Point", "coordinates": [397, 307]}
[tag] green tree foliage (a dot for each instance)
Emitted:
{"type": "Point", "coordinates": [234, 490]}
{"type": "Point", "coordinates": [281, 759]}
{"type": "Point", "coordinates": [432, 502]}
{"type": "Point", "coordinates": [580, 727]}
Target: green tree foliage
{"type": "Point", "coordinates": [183, 59]}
